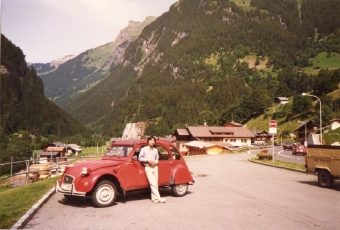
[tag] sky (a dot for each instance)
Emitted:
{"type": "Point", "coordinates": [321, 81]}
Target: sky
{"type": "Point", "coordinates": [47, 30]}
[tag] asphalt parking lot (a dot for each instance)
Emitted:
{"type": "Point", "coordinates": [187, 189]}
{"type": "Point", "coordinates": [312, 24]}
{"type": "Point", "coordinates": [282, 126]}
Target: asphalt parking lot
{"type": "Point", "coordinates": [229, 192]}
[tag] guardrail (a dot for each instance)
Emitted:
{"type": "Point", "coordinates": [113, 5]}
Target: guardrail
{"type": "Point", "coordinates": [33, 174]}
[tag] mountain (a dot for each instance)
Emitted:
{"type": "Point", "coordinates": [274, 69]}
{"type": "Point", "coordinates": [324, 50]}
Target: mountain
{"type": "Point", "coordinates": [82, 72]}
{"type": "Point", "coordinates": [23, 105]}
{"type": "Point", "coordinates": [44, 68]}
{"type": "Point", "coordinates": [188, 68]}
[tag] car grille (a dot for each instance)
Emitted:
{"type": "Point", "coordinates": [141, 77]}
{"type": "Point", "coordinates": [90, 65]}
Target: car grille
{"type": "Point", "coordinates": [68, 179]}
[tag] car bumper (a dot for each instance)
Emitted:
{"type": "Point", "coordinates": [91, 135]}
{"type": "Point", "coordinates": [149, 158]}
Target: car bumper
{"type": "Point", "coordinates": [68, 189]}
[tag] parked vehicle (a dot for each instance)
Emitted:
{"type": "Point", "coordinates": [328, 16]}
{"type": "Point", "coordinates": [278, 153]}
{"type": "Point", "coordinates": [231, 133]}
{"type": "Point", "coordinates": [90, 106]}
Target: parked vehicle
{"type": "Point", "coordinates": [299, 149]}
{"type": "Point", "coordinates": [325, 161]}
{"type": "Point", "coordinates": [287, 145]}
{"type": "Point", "coordinates": [119, 172]}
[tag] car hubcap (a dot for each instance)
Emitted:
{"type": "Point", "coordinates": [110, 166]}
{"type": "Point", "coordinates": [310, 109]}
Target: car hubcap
{"type": "Point", "coordinates": [181, 188]}
{"type": "Point", "coordinates": [105, 194]}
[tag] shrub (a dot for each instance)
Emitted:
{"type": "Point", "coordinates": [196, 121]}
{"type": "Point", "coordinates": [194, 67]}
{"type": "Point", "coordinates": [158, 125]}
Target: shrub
{"type": "Point", "coordinates": [264, 155]}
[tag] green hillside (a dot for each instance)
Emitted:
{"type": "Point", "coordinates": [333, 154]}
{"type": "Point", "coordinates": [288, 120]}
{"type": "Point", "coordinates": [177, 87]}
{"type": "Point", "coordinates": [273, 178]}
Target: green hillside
{"type": "Point", "coordinates": [88, 68]}
{"type": "Point", "coordinates": [214, 61]}
{"type": "Point", "coordinates": [25, 113]}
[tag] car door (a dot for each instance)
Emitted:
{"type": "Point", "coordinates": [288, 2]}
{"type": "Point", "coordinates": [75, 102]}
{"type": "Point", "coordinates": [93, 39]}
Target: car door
{"type": "Point", "coordinates": [135, 172]}
{"type": "Point", "coordinates": [164, 165]}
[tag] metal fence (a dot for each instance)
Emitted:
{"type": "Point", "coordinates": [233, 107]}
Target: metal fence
{"type": "Point", "coordinates": [29, 174]}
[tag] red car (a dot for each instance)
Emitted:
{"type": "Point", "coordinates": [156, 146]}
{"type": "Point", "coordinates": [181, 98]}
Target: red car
{"type": "Point", "coordinates": [119, 172]}
{"type": "Point", "coordinates": [299, 149]}
{"type": "Point", "coordinates": [287, 146]}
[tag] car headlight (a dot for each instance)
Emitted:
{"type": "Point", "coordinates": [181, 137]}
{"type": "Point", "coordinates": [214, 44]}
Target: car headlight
{"type": "Point", "coordinates": [85, 171]}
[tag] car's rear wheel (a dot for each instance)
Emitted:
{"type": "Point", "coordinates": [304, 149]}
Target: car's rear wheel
{"type": "Point", "coordinates": [104, 194]}
{"type": "Point", "coordinates": [179, 189]}
{"type": "Point", "coordinates": [325, 178]}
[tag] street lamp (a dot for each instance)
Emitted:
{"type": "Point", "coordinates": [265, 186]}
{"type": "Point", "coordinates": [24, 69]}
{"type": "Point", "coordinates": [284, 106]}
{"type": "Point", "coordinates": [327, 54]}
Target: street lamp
{"type": "Point", "coordinates": [305, 132]}
{"type": "Point", "coordinates": [304, 94]}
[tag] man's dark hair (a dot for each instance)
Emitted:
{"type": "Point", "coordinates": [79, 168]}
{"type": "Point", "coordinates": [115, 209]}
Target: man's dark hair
{"type": "Point", "coordinates": [152, 137]}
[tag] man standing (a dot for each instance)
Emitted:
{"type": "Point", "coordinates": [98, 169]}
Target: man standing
{"type": "Point", "coordinates": [149, 157]}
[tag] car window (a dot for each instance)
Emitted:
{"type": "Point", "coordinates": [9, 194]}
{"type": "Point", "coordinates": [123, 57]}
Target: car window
{"type": "Point", "coordinates": [136, 153]}
{"type": "Point", "coordinates": [120, 151]}
{"type": "Point", "coordinates": [163, 153]}
{"type": "Point", "coordinates": [175, 153]}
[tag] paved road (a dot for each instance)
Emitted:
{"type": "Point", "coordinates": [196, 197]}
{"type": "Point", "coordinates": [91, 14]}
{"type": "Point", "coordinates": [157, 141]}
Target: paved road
{"type": "Point", "coordinates": [230, 193]}
{"type": "Point", "coordinates": [283, 155]}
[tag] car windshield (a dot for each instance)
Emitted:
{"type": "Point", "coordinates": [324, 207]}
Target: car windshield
{"type": "Point", "coordinates": [301, 147]}
{"type": "Point", "coordinates": [121, 151]}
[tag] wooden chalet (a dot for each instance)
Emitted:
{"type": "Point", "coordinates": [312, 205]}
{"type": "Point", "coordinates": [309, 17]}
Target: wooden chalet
{"type": "Point", "coordinates": [235, 136]}
{"type": "Point", "coordinates": [281, 100]}
{"type": "Point", "coordinates": [303, 130]}
{"type": "Point", "coordinates": [260, 137]}
{"type": "Point", "coordinates": [51, 153]}
{"type": "Point", "coordinates": [200, 147]}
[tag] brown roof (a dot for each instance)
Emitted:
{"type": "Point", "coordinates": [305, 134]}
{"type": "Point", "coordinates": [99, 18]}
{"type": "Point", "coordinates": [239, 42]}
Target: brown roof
{"type": "Point", "coordinates": [47, 154]}
{"type": "Point", "coordinates": [182, 132]}
{"type": "Point", "coordinates": [55, 149]}
{"type": "Point", "coordinates": [233, 123]}
{"type": "Point", "coordinates": [258, 131]}
{"type": "Point", "coordinates": [206, 131]}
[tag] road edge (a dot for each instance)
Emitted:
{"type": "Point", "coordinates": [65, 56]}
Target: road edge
{"type": "Point", "coordinates": [277, 166]}
{"type": "Point", "coordinates": [21, 223]}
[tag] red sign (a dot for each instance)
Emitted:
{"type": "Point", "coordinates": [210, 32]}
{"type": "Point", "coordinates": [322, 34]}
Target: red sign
{"type": "Point", "coordinates": [273, 123]}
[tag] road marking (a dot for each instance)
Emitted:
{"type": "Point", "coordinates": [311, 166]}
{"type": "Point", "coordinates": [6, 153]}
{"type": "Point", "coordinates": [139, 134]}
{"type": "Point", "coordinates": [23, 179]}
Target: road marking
{"type": "Point", "coordinates": [285, 155]}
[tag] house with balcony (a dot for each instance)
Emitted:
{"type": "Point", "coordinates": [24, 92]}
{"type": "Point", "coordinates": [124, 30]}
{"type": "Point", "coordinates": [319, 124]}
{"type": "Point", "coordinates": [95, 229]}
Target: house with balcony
{"type": "Point", "coordinates": [261, 137]}
{"type": "Point", "coordinates": [238, 136]}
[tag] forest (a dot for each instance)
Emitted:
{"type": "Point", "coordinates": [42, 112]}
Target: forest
{"type": "Point", "coordinates": [28, 119]}
{"type": "Point", "coordinates": [186, 68]}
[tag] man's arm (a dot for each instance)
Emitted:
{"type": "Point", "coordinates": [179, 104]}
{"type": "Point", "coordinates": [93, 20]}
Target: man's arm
{"type": "Point", "coordinates": [142, 157]}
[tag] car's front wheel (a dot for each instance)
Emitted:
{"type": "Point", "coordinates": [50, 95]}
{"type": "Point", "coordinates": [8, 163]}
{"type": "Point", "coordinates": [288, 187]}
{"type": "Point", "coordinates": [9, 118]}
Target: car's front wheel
{"type": "Point", "coordinates": [179, 189]}
{"type": "Point", "coordinates": [325, 178]}
{"type": "Point", "coordinates": [104, 194]}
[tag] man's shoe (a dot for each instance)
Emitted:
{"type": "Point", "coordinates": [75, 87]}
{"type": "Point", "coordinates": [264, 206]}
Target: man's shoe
{"type": "Point", "coordinates": [162, 200]}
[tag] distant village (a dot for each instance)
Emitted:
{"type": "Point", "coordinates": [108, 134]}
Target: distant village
{"type": "Point", "coordinates": [195, 140]}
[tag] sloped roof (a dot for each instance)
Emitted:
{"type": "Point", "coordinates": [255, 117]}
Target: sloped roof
{"type": "Point", "coordinates": [48, 154]}
{"type": "Point", "coordinates": [302, 125]}
{"type": "Point", "coordinates": [59, 144]}
{"type": "Point", "coordinates": [282, 98]}
{"type": "Point", "coordinates": [233, 123]}
{"type": "Point", "coordinates": [206, 131]}
{"type": "Point", "coordinates": [182, 132]}
{"type": "Point", "coordinates": [55, 149]}
{"type": "Point", "coordinates": [73, 146]}
{"type": "Point", "coordinates": [258, 131]}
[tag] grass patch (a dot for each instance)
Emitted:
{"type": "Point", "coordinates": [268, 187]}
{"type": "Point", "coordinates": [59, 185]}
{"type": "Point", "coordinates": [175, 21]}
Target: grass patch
{"type": "Point", "coordinates": [16, 201]}
{"type": "Point", "coordinates": [323, 62]}
{"type": "Point", "coordinates": [286, 164]}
